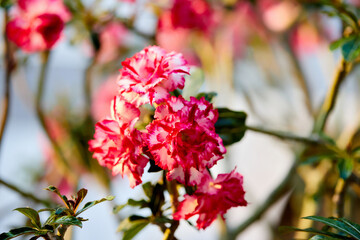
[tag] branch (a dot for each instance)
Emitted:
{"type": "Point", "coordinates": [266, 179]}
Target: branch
{"type": "Point", "coordinates": [277, 194]}
{"type": "Point", "coordinates": [9, 67]}
{"type": "Point", "coordinates": [286, 135]}
{"type": "Point", "coordinates": [174, 195]}
{"type": "Point", "coordinates": [330, 99]}
{"type": "Point", "coordinates": [25, 194]}
{"type": "Point", "coordinates": [41, 115]}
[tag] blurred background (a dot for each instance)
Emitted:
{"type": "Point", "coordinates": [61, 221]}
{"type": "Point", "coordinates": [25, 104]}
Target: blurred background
{"type": "Point", "coordinates": [268, 58]}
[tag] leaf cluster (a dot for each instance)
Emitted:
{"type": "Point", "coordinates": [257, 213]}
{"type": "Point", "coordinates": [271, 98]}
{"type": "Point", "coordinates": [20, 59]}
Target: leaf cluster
{"type": "Point", "coordinates": [335, 228]}
{"type": "Point", "coordinates": [59, 220]}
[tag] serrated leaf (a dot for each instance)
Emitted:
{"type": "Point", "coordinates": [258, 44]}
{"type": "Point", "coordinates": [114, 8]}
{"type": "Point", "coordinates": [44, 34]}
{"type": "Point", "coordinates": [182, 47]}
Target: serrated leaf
{"type": "Point", "coordinates": [13, 233]}
{"type": "Point", "coordinates": [93, 203]}
{"type": "Point", "coordinates": [68, 220]}
{"type": "Point", "coordinates": [345, 167]}
{"type": "Point", "coordinates": [131, 227]}
{"type": "Point", "coordinates": [230, 125]}
{"type": "Point", "coordinates": [338, 225]}
{"type": "Point", "coordinates": [32, 214]}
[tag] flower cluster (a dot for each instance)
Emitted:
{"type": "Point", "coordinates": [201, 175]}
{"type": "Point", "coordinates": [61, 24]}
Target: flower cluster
{"type": "Point", "coordinates": [181, 139]}
{"type": "Point", "coordinates": [37, 25]}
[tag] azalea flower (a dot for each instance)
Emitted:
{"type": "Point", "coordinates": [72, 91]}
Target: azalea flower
{"type": "Point", "coordinates": [118, 145]}
{"type": "Point", "coordinates": [151, 74]}
{"type": "Point", "coordinates": [182, 138]}
{"type": "Point", "coordinates": [37, 25]}
{"type": "Point", "coordinates": [212, 197]}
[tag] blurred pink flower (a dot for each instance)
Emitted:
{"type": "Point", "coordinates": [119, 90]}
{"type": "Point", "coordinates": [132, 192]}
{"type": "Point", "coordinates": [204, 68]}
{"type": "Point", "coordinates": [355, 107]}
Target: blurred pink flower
{"type": "Point", "coordinates": [100, 107]}
{"type": "Point", "coordinates": [305, 38]}
{"type": "Point", "coordinates": [151, 74]}
{"type": "Point", "coordinates": [191, 14]}
{"type": "Point", "coordinates": [37, 25]}
{"type": "Point", "coordinates": [182, 138]}
{"type": "Point", "coordinates": [111, 38]}
{"type": "Point", "coordinates": [118, 145]}
{"type": "Point", "coordinates": [211, 198]}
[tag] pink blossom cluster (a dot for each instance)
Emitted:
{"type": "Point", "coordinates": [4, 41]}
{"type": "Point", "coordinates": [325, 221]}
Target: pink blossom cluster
{"type": "Point", "coordinates": [181, 139]}
{"type": "Point", "coordinates": [37, 25]}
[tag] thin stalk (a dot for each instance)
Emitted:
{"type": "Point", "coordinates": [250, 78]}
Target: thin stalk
{"type": "Point", "coordinates": [41, 115]}
{"type": "Point", "coordinates": [339, 197]}
{"type": "Point", "coordinates": [25, 194]}
{"type": "Point", "coordinates": [9, 67]}
{"type": "Point", "coordinates": [277, 194]}
{"type": "Point", "coordinates": [285, 135]}
{"type": "Point", "coordinates": [174, 195]}
{"type": "Point", "coordinates": [88, 84]}
{"type": "Point", "coordinates": [330, 99]}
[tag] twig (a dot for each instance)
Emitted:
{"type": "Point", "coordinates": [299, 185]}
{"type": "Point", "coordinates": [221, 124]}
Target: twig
{"type": "Point", "coordinates": [40, 113]}
{"type": "Point", "coordinates": [9, 67]}
{"type": "Point", "coordinates": [25, 194]}
{"type": "Point", "coordinates": [286, 136]}
{"type": "Point", "coordinates": [330, 99]}
{"type": "Point", "coordinates": [339, 197]}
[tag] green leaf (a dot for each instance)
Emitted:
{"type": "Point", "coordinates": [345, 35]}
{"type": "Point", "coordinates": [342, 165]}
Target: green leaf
{"type": "Point", "coordinates": [132, 226]}
{"type": "Point", "coordinates": [157, 199]}
{"type": "Point", "coordinates": [319, 237]}
{"type": "Point", "coordinates": [137, 203]}
{"type": "Point", "coordinates": [193, 83]}
{"type": "Point", "coordinates": [68, 220]}
{"type": "Point", "coordinates": [351, 48]}
{"type": "Point", "coordinates": [148, 189]}
{"type": "Point", "coordinates": [334, 223]}
{"type": "Point", "coordinates": [285, 229]}
{"type": "Point", "coordinates": [93, 203]}
{"type": "Point", "coordinates": [118, 208]}
{"type": "Point", "coordinates": [208, 96]}
{"type": "Point", "coordinates": [13, 233]}
{"type": "Point", "coordinates": [316, 159]}
{"type": "Point", "coordinates": [345, 167]}
{"type": "Point", "coordinates": [57, 192]}
{"type": "Point", "coordinates": [230, 125]}
{"type": "Point", "coordinates": [32, 214]}
{"type": "Point", "coordinates": [81, 194]}
{"type": "Point", "coordinates": [352, 225]}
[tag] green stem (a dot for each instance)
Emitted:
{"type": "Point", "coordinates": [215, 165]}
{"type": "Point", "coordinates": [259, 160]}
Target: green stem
{"type": "Point", "coordinates": [330, 99]}
{"type": "Point", "coordinates": [25, 194]}
{"type": "Point", "coordinates": [174, 195]}
{"type": "Point", "coordinates": [9, 67]}
{"type": "Point", "coordinates": [277, 194]}
{"type": "Point", "coordinates": [41, 115]}
{"type": "Point", "coordinates": [285, 135]}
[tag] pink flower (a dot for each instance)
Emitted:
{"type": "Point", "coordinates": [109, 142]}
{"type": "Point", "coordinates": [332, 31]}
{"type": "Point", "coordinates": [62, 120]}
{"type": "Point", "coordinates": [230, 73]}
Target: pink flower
{"type": "Point", "coordinates": [151, 74]}
{"type": "Point", "coordinates": [211, 198]}
{"type": "Point", "coordinates": [100, 107]}
{"type": "Point", "coordinates": [37, 24]}
{"type": "Point", "coordinates": [111, 38]}
{"type": "Point", "coordinates": [182, 139]}
{"type": "Point", "coordinates": [191, 14]}
{"type": "Point", "coordinates": [118, 145]}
